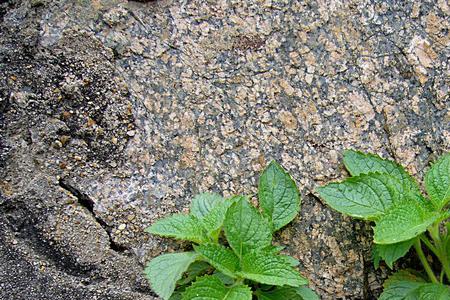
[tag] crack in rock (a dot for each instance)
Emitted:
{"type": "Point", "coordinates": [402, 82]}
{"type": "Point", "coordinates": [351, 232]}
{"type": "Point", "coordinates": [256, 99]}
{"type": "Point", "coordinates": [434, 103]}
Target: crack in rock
{"type": "Point", "coordinates": [85, 201]}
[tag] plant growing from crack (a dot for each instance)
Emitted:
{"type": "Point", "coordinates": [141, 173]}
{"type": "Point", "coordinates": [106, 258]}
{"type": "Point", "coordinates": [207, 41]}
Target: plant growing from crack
{"type": "Point", "coordinates": [382, 191]}
{"type": "Point", "coordinates": [233, 257]}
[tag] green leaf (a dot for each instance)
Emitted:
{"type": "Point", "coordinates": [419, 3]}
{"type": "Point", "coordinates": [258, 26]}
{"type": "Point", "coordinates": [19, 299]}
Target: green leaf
{"type": "Point", "coordinates": [213, 220]}
{"type": "Point", "coordinates": [203, 203]}
{"type": "Point", "coordinates": [290, 260]}
{"type": "Point", "coordinates": [271, 269]}
{"type": "Point", "coordinates": [165, 270]}
{"type": "Point", "coordinates": [278, 196]}
{"type": "Point", "coordinates": [433, 291]}
{"type": "Point", "coordinates": [412, 290]}
{"type": "Point", "coordinates": [245, 228]}
{"type": "Point", "coordinates": [404, 221]}
{"type": "Point", "coordinates": [367, 196]}
{"type": "Point", "coordinates": [227, 280]}
{"type": "Point", "coordinates": [437, 182]}
{"type": "Point", "coordinates": [176, 296]}
{"type": "Point", "coordinates": [179, 226]}
{"type": "Point", "coordinates": [219, 257]}
{"type": "Point", "coordinates": [287, 293]}
{"type": "Point", "coordinates": [400, 290]}
{"type": "Point", "coordinates": [399, 285]}
{"type": "Point", "coordinates": [307, 293]}
{"type": "Point", "coordinates": [390, 253]}
{"type": "Point", "coordinates": [274, 249]}
{"type": "Point", "coordinates": [212, 288]}
{"type": "Point", "coordinates": [358, 163]}
{"type": "Point", "coordinates": [280, 293]}
{"type": "Point", "coordinates": [197, 268]}
{"type": "Point", "coordinates": [404, 275]}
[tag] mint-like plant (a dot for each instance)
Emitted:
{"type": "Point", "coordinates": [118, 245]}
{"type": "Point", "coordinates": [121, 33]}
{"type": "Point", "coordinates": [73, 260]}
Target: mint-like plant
{"type": "Point", "coordinates": [233, 257]}
{"type": "Point", "coordinates": [382, 191]}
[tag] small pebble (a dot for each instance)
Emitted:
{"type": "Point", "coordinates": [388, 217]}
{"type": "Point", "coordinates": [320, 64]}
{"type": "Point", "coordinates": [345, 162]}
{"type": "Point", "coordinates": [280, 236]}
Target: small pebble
{"type": "Point", "coordinates": [57, 145]}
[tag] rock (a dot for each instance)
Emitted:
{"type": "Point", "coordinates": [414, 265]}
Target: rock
{"type": "Point", "coordinates": [288, 120]}
{"type": "Point", "coordinates": [114, 114]}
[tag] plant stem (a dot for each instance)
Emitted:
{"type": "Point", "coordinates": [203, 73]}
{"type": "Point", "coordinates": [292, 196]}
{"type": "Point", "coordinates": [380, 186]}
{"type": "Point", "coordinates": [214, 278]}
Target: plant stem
{"type": "Point", "coordinates": [445, 265]}
{"type": "Point", "coordinates": [238, 281]}
{"type": "Point", "coordinates": [440, 249]}
{"type": "Point", "coordinates": [427, 243]}
{"type": "Point", "coordinates": [435, 235]}
{"type": "Point", "coordinates": [424, 261]}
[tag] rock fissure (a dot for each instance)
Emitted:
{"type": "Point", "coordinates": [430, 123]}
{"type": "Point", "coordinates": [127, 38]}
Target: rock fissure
{"type": "Point", "coordinates": [85, 201]}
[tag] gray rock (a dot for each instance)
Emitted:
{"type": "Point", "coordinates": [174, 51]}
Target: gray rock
{"type": "Point", "coordinates": [115, 113]}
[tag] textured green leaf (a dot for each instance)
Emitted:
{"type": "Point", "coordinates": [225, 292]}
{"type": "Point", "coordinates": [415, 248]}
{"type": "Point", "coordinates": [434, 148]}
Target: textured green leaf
{"type": "Point", "coordinates": [290, 260]}
{"type": "Point", "coordinates": [367, 196]}
{"type": "Point", "coordinates": [307, 293]}
{"type": "Point", "coordinates": [213, 220]}
{"type": "Point", "coordinates": [437, 182]}
{"type": "Point", "coordinates": [212, 288]}
{"type": "Point", "coordinates": [165, 270]}
{"type": "Point", "coordinates": [432, 291]}
{"type": "Point", "coordinates": [400, 290]}
{"type": "Point", "coordinates": [274, 249]}
{"type": "Point", "coordinates": [287, 293]}
{"type": "Point", "coordinates": [403, 275]}
{"type": "Point", "coordinates": [278, 196]}
{"type": "Point", "coordinates": [245, 228]}
{"type": "Point", "coordinates": [271, 269]}
{"type": "Point", "coordinates": [219, 257]}
{"type": "Point", "coordinates": [227, 280]}
{"type": "Point", "coordinates": [390, 253]}
{"type": "Point", "coordinates": [400, 284]}
{"type": "Point", "coordinates": [413, 290]}
{"type": "Point", "coordinates": [179, 226]}
{"type": "Point", "coordinates": [203, 203]}
{"type": "Point", "coordinates": [197, 268]}
{"type": "Point", "coordinates": [176, 296]}
{"type": "Point", "coordinates": [404, 221]}
{"type": "Point", "coordinates": [280, 293]}
{"type": "Point", "coordinates": [358, 163]}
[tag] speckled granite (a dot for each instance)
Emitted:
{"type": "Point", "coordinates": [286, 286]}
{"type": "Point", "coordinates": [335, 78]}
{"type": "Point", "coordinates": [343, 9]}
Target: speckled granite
{"type": "Point", "coordinates": [115, 113]}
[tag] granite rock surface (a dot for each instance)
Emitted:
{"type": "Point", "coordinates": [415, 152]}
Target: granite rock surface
{"type": "Point", "coordinates": [115, 113]}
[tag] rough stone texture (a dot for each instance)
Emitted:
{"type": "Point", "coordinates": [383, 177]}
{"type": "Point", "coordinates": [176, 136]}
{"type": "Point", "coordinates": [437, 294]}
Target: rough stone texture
{"type": "Point", "coordinates": [115, 113]}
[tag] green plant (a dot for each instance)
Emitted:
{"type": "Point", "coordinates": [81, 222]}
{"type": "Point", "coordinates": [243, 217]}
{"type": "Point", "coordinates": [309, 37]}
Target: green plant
{"type": "Point", "coordinates": [240, 264]}
{"type": "Point", "coordinates": [383, 192]}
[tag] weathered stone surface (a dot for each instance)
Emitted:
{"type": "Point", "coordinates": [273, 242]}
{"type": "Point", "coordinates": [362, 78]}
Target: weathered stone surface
{"type": "Point", "coordinates": [115, 113]}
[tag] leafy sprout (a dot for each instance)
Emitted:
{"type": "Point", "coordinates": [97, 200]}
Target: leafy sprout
{"type": "Point", "coordinates": [246, 265]}
{"type": "Point", "coordinates": [382, 191]}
